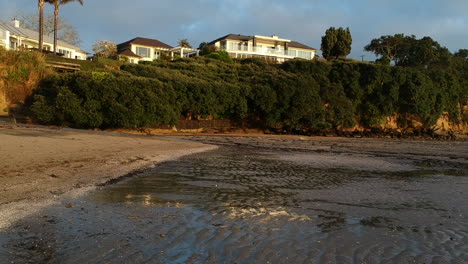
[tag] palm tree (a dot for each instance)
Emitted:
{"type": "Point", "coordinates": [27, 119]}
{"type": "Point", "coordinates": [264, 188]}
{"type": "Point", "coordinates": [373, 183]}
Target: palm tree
{"type": "Point", "coordinates": [41, 23]}
{"type": "Point", "coordinates": [57, 4]}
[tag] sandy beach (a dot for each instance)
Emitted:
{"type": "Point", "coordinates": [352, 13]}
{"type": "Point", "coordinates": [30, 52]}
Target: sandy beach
{"type": "Point", "coordinates": [40, 165]}
{"type": "Point", "coordinates": [256, 198]}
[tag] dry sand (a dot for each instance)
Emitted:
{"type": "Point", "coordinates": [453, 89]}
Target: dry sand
{"type": "Point", "coordinates": [39, 165]}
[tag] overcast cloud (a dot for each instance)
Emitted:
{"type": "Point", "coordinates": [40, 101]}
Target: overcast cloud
{"type": "Point", "coordinates": [301, 20]}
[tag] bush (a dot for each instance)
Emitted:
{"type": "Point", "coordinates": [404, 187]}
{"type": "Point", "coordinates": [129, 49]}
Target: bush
{"type": "Point", "coordinates": [104, 100]}
{"type": "Point", "coordinates": [297, 96]}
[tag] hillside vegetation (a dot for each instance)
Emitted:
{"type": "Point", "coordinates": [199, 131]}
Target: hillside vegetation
{"type": "Point", "coordinates": [297, 96]}
{"type": "Point", "coordinates": [20, 74]}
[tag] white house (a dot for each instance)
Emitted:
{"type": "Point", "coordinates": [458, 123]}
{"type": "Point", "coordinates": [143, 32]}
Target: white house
{"type": "Point", "coordinates": [271, 48]}
{"type": "Point", "coordinates": [14, 37]}
{"type": "Point", "coordinates": [144, 49]}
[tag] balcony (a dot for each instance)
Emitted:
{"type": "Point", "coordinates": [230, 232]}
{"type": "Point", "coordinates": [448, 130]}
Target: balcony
{"type": "Point", "coordinates": [264, 51]}
{"type": "Point", "coordinates": [260, 51]}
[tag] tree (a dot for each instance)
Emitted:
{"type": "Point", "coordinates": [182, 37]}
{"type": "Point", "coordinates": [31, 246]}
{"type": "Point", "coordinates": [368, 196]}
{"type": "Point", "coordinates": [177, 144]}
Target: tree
{"type": "Point", "coordinates": [57, 4]}
{"type": "Point", "coordinates": [66, 32]}
{"type": "Point", "coordinates": [104, 48]}
{"type": "Point", "coordinates": [184, 43]}
{"type": "Point", "coordinates": [206, 49]}
{"type": "Point", "coordinates": [462, 53]}
{"type": "Point", "coordinates": [41, 23]}
{"type": "Point", "coordinates": [390, 48]}
{"type": "Point", "coordinates": [336, 43]}
{"type": "Point", "coordinates": [409, 51]}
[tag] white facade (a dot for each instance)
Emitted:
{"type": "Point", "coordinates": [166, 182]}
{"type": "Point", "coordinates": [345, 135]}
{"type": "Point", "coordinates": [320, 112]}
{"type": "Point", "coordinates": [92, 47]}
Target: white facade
{"type": "Point", "coordinates": [144, 49]}
{"type": "Point", "coordinates": [13, 37]}
{"type": "Point", "coordinates": [147, 53]}
{"type": "Point", "coordinates": [273, 47]}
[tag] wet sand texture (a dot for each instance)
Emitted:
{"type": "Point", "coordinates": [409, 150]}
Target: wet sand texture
{"type": "Point", "coordinates": [38, 165]}
{"type": "Point", "coordinates": [267, 200]}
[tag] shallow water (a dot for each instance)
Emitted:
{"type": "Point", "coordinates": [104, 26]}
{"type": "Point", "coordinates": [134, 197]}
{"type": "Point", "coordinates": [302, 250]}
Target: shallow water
{"type": "Point", "coordinates": [242, 205]}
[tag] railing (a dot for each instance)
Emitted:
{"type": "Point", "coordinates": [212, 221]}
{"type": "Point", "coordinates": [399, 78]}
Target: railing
{"type": "Point", "coordinates": [63, 66]}
{"type": "Point", "coordinates": [262, 50]}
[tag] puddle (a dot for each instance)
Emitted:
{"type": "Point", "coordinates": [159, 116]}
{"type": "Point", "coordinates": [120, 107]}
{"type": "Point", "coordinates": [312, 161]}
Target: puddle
{"type": "Point", "coordinates": [241, 205]}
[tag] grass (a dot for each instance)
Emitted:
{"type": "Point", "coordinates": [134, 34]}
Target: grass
{"type": "Point", "coordinates": [20, 74]}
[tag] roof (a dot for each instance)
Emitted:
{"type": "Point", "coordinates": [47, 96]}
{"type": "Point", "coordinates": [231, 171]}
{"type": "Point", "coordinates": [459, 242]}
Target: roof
{"type": "Point", "coordinates": [129, 53]}
{"type": "Point", "coordinates": [295, 44]}
{"type": "Point", "coordinates": [292, 44]}
{"type": "Point", "coordinates": [31, 34]}
{"type": "Point", "coordinates": [144, 42]}
{"type": "Point", "coordinates": [233, 37]}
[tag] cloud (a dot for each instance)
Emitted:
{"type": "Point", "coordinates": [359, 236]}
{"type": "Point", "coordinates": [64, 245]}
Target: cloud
{"type": "Point", "coordinates": [301, 20]}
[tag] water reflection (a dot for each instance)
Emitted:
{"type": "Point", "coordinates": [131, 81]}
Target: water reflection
{"type": "Point", "coordinates": [241, 205]}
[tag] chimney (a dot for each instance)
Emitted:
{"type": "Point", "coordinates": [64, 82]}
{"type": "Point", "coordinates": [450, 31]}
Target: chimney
{"type": "Point", "coordinates": [275, 36]}
{"type": "Point", "coordinates": [16, 22]}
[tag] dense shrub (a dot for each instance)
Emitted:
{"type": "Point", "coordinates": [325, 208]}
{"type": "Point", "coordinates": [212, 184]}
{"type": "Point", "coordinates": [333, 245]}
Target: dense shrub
{"type": "Point", "coordinates": [296, 96]}
{"type": "Point", "coordinates": [105, 100]}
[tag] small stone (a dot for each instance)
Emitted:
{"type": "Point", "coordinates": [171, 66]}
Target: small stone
{"type": "Point", "coordinates": [69, 205]}
{"type": "Point", "coordinates": [162, 235]}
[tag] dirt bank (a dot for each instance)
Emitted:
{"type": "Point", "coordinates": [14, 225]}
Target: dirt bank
{"type": "Point", "coordinates": [38, 164]}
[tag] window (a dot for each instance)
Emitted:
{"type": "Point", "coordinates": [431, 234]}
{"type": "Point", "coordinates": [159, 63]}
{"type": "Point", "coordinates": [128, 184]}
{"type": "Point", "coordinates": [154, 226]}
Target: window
{"type": "Point", "coordinates": [143, 52]}
{"type": "Point", "coordinates": [304, 54]}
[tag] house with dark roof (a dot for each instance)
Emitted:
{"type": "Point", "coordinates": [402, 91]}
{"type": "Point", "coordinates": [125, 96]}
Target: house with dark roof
{"type": "Point", "coordinates": [272, 48]}
{"type": "Point", "coordinates": [14, 37]}
{"type": "Point", "coordinates": [145, 49]}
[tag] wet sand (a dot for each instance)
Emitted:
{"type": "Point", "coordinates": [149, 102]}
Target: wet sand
{"type": "Point", "coordinates": [38, 165]}
{"type": "Point", "coordinates": [267, 199]}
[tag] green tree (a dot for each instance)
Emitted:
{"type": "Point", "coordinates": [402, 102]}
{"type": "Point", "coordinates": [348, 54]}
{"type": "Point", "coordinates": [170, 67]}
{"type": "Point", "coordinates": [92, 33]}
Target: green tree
{"type": "Point", "coordinates": [336, 43]}
{"type": "Point", "coordinates": [184, 43]}
{"type": "Point", "coordinates": [409, 51]}
{"type": "Point", "coordinates": [57, 4]}
{"type": "Point", "coordinates": [462, 53]}
{"type": "Point", "coordinates": [390, 48]}
{"type": "Point", "coordinates": [205, 49]}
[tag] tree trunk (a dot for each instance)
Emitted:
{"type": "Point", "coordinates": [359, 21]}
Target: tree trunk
{"type": "Point", "coordinates": [56, 21]}
{"type": "Point", "coordinates": [41, 24]}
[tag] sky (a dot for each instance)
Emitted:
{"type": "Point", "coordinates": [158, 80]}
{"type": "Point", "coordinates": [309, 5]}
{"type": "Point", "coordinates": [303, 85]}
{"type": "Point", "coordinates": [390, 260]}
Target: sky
{"type": "Point", "coordinates": [304, 21]}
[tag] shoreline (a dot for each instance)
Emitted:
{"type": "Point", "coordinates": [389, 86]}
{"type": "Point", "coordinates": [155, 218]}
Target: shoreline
{"type": "Point", "coordinates": [42, 166]}
{"type": "Point", "coordinates": [55, 163]}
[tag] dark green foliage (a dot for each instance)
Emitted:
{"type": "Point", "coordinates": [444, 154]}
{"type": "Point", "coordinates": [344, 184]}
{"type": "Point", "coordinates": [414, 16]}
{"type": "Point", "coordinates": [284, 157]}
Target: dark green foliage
{"type": "Point", "coordinates": [297, 96]}
{"type": "Point", "coordinates": [105, 100]}
{"type": "Point", "coordinates": [409, 51]}
{"type": "Point", "coordinates": [336, 43]}
{"type": "Point", "coordinates": [220, 55]}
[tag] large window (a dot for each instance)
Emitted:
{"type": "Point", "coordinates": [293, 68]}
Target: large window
{"type": "Point", "coordinates": [304, 54]}
{"type": "Point", "coordinates": [143, 52]}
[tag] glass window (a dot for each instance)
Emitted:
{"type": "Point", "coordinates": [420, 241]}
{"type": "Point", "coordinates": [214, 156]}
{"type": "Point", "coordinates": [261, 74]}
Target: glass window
{"type": "Point", "coordinates": [143, 52]}
{"type": "Point", "coordinates": [304, 54]}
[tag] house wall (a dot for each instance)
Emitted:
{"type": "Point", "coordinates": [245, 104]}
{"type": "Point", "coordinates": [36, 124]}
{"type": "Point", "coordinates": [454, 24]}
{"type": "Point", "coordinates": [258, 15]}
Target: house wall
{"type": "Point", "coordinates": [266, 44]}
{"type": "Point", "coordinates": [134, 60]}
{"type": "Point", "coordinates": [27, 43]}
{"type": "Point", "coordinates": [4, 38]}
{"type": "Point", "coordinates": [155, 53]}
